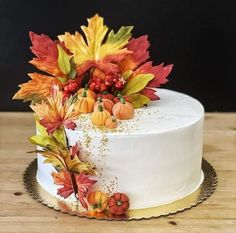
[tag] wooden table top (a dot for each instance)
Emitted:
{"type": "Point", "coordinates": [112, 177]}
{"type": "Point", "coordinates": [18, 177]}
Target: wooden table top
{"type": "Point", "coordinates": [20, 213]}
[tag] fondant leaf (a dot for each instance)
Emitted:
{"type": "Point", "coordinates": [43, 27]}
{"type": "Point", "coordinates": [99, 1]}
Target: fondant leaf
{"type": "Point", "coordinates": [46, 53]}
{"type": "Point", "coordinates": [60, 136]}
{"type": "Point", "coordinates": [127, 74]}
{"type": "Point", "coordinates": [38, 88]}
{"type": "Point", "coordinates": [55, 157]}
{"type": "Point", "coordinates": [56, 112]}
{"type": "Point", "coordinates": [139, 47]}
{"type": "Point", "coordinates": [43, 140]}
{"type": "Point", "coordinates": [84, 184]}
{"type": "Point", "coordinates": [74, 164]}
{"type": "Point", "coordinates": [91, 51]}
{"type": "Point", "coordinates": [63, 60]}
{"type": "Point", "coordinates": [138, 100]}
{"type": "Point", "coordinates": [137, 83]}
{"type": "Point", "coordinates": [150, 93]}
{"type": "Point", "coordinates": [41, 130]}
{"type": "Point", "coordinates": [63, 178]}
{"type": "Point", "coordinates": [160, 73]}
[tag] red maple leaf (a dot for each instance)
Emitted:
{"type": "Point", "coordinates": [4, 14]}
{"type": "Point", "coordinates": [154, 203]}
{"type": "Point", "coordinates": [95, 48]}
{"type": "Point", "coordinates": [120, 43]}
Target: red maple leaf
{"type": "Point", "coordinates": [74, 150]}
{"type": "Point", "coordinates": [150, 93]}
{"type": "Point", "coordinates": [46, 53]}
{"type": "Point", "coordinates": [139, 46]}
{"type": "Point", "coordinates": [160, 73]}
{"type": "Point", "coordinates": [83, 185]}
{"type": "Point", "coordinates": [63, 178]}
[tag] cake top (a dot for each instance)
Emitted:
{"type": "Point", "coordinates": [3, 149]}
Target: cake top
{"type": "Point", "coordinates": [173, 111]}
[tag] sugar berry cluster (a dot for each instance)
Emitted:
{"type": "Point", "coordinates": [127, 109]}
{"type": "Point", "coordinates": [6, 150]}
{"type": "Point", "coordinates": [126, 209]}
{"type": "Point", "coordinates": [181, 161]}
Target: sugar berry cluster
{"type": "Point", "coordinates": [70, 88]}
{"type": "Point", "coordinates": [108, 83]}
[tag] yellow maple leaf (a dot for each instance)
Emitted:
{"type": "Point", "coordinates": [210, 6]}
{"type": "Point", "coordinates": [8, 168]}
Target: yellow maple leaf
{"type": "Point", "coordinates": [93, 50]}
{"type": "Point", "coordinates": [56, 112]}
{"type": "Point", "coordinates": [38, 88]}
{"type": "Point", "coordinates": [63, 160]}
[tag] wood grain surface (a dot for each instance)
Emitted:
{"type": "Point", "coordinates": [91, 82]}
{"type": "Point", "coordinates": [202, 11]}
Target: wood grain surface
{"type": "Point", "coordinates": [20, 213]}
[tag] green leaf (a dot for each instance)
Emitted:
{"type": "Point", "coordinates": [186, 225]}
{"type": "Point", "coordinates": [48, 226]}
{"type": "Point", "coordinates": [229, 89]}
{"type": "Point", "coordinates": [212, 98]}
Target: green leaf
{"type": "Point", "coordinates": [137, 83]}
{"type": "Point", "coordinates": [62, 79]}
{"type": "Point", "coordinates": [43, 141]}
{"type": "Point", "coordinates": [63, 60]}
{"type": "Point", "coordinates": [72, 72]}
{"type": "Point", "coordinates": [121, 37]}
{"type": "Point", "coordinates": [41, 130]}
{"type": "Point", "coordinates": [127, 74]}
{"type": "Point", "coordinates": [138, 100]}
{"type": "Point", "coordinates": [60, 136]}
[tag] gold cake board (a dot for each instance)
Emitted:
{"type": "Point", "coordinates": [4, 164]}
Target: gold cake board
{"type": "Point", "coordinates": [202, 193]}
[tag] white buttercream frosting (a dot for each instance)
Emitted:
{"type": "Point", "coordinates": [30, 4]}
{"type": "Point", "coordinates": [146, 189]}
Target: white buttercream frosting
{"type": "Point", "coordinates": [155, 157]}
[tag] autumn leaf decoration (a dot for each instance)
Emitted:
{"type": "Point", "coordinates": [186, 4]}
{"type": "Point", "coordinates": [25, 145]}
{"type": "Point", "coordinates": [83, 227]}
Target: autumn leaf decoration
{"type": "Point", "coordinates": [72, 174]}
{"type": "Point", "coordinates": [88, 58]}
{"type": "Point", "coordinates": [143, 77]}
{"type": "Point", "coordinates": [94, 51]}
{"type": "Point", "coordinates": [52, 58]}
{"type": "Point", "coordinates": [56, 112]}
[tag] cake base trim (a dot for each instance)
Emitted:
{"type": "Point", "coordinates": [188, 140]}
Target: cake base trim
{"type": "Point", "coordinates": [198, 196]}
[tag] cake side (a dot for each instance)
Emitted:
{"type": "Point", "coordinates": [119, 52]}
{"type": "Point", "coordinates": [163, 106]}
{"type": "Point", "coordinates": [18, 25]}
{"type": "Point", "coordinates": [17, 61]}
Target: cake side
{"type": "Point", "coordinates": [153, 165]}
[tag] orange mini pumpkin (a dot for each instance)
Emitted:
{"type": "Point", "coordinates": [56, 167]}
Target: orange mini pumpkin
{"type": "Point", "coordinates": [89, 92]}
{"type": "Point", "coordinates": [123, 110]}
{"type": "Point", "coordinates": [97, 201]}
{"type": "Point", "coordinates": [118, 204]}
{"type": "Point", "coordinates": [111, 123]}
{"type": "Point", "coordinates": [106, 104]}
{"type": "Point", "coordinates": [100, 116]}
{"type": "Point", "coordinates": [85, 104]}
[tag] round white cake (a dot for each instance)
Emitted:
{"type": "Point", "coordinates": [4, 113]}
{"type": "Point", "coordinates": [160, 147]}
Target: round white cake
{"type": "Point", "coordinates": [155, 157]}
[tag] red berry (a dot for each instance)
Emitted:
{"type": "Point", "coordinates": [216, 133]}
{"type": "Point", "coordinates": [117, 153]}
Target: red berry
{"type": "Point", "coordinates": [73, 86]}
{"type": "Point", "coordinates": [92, 86]}
{"type": "Point", "coordinates": [98, 80]}
{"type": "Point", "coordinates": [109, 78]}
{"type": "Point", "coordinates": [115, 80]}
{"type": "Point", "coordinates": [108, 84]}
{"type": "Point", "coordinates": [103, 87]}
{"type": "Point", "coordinates": [119, 85]}
{"type": "Point", "coordinates": [66, 89]}
{"type": "Point", "coordinates": [97, 87]}
{"type": "Point", "coordinates": [65, 96]}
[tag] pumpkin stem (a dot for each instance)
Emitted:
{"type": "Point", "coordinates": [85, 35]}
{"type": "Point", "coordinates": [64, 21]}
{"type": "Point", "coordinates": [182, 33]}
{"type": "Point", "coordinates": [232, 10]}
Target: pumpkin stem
{"type": "Point", "coordinates": [84, 93]}
{"type": "Point", "coordinates": [100, 108]}
{"type": "Point", "coordinates": [100, 100]}
{"type": "Point", "coordinates": [86, 87]}
{"type": "Point", "coordinates": [121, 98]}
{"type": "Point", "coordinates": [113, 119]}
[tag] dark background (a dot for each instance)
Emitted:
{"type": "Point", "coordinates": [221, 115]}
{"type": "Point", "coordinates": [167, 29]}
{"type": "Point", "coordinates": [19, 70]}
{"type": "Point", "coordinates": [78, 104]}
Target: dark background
{"type": "Point", "coordinates": [197, 36]}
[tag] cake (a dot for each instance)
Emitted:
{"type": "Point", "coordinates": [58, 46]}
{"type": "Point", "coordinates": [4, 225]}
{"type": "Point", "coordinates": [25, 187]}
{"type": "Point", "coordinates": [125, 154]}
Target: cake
{"type": "Point", "coordinates": [108, 137]}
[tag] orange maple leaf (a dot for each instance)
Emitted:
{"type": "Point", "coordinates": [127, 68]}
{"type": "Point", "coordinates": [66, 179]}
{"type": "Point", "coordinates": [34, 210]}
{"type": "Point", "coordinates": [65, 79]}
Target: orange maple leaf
{"type": "Point", "coordinates": [81, 185]}
{"type": "Point", "coordinates": [38, 88]}
{"type": "Point", "coordinates": [63, 178]}
{"type": "Point", "coordinates": [56, 112]}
